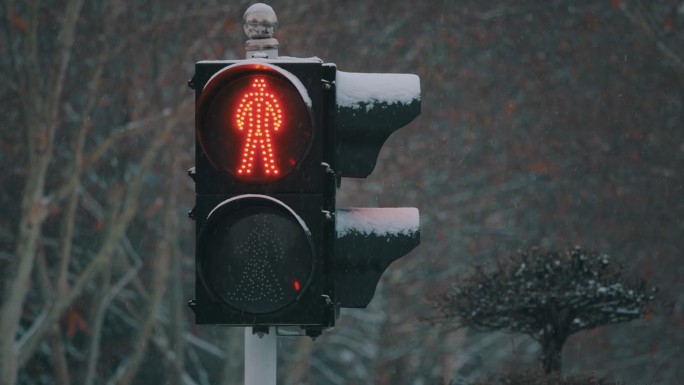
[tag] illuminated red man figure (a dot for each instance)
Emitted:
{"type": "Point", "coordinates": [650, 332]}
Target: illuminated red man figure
{"type": "Point", "coordinates": [259, 115]}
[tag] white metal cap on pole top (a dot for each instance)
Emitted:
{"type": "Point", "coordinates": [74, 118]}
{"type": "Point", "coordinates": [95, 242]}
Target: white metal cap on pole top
{"type": "Point", "coordinates": [260, 24]}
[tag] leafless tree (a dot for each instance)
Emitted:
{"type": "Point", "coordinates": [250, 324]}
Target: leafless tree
{"type": "Point", "coordinates": [102, 111]}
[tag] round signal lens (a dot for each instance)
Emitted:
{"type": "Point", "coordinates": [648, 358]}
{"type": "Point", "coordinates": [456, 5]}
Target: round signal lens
{"type": "Point", "coordinates": [255, 256]}
{"type": "Point", "coordinates": [255, 126]}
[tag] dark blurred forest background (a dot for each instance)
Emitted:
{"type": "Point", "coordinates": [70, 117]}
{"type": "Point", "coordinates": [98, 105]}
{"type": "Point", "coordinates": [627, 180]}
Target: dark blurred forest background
{"type": "Point", "coordinates": [548, 122]}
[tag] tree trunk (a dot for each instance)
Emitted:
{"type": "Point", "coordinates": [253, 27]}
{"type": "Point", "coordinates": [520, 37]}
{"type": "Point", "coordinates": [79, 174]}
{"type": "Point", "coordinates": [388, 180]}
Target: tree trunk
{"type": "Point", "coordinates": [552, 345]}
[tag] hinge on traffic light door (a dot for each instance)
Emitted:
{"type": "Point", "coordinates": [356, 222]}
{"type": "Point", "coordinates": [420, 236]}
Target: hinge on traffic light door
{"type": "Point", "coordinates": [191, 83]}
{"type": "Point", "coordinates": [192, 173]}
{"type": "Point", "coordinates": [326, 84]}
{"type": "Point", "coordinates": [330, 173]}
{"type": "Point", "coordinates": [328, 169]}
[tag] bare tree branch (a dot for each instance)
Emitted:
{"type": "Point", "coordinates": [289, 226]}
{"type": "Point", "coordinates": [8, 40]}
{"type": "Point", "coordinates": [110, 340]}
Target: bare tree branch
{"type": "Point", "coordinates": [127, 370]}
{"type": "Point", "coordinates": [69, 217]}
{"type": "Point", "coordinates": [58, 356]}
{"type": "Point", "coordinates": [101, 305]}
{"type": "Point", "coordinates": [41, 126]}
{"type": "Point", "coordinates": [29, 341]}
{"type": "Point", "coordinates": [636, 13]}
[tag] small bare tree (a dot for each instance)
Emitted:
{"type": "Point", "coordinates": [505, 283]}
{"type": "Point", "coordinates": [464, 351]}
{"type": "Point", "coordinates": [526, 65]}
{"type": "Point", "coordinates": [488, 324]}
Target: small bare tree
{"type": "Point", "coordinates": [548, 296]}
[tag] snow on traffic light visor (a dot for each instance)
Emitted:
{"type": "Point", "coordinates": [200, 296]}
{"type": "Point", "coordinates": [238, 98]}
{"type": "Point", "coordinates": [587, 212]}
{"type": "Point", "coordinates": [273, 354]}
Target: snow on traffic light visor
{"type": "Point", "coordinates": [254, 122]}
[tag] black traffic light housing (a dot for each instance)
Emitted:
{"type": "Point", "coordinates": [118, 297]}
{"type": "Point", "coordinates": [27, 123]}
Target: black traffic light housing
{"type": "Point", "coordinates": [264, 194]}
{"type": "Point", "coordinates": [274, 139]}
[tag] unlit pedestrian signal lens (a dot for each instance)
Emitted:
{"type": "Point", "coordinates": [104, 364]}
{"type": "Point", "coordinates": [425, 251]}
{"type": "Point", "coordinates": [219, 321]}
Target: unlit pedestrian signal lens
{"type": "Point", "coordinates": [257, 258]}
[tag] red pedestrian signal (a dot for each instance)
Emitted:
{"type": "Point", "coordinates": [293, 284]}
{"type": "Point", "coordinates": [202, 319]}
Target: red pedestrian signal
{"type": "Point", "coordinates": [258, 115]}
{"type": "Point", "coordinates": [254, 122]}
{"type": "Point", "coordinates": [264, 194]}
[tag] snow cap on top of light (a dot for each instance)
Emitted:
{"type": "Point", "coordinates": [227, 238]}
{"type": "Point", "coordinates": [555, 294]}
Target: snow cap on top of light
{"type": "Point", "coordinates": [356, 90]}
{"type": "Point", "coordinates": [380, 221]}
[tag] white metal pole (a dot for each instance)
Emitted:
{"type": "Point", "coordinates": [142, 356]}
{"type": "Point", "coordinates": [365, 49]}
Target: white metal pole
{"type": "Point", "coordinates": [260, 358]}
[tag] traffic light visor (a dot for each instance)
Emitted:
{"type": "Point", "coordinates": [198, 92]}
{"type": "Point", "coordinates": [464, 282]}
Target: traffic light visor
{"type": "Point", "coordinates": [255, 254]}
{"type": "Point", "coordinates": [254, 122]}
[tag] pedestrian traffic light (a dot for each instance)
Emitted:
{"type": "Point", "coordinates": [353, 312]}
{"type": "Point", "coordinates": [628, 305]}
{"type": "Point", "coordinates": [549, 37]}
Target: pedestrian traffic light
{"type": "Point", "coordinates": [264, 195]}
{"type": "Point", "coordinates": [274, 138]}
